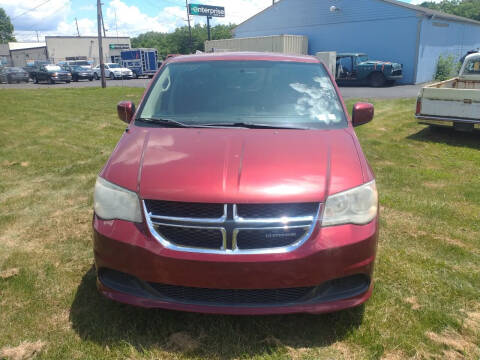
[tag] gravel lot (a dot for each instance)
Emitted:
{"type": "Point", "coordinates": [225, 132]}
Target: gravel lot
{"type": "Point", "coordinates": [348, 92]}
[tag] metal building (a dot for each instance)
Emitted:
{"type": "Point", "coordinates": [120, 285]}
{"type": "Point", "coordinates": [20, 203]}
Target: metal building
{"type": "Point", "coordinates": [388, 30]}
{"type": "Point", "coordinates": [61, 48]}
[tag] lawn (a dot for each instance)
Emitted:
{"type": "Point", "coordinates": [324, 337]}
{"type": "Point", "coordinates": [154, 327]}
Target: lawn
{"type": "Point", "coordinates": [426, 302]}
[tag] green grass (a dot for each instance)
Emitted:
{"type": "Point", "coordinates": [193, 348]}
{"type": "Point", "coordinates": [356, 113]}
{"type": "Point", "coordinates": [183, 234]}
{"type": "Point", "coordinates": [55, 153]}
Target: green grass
{"type": "Point", "coordinates": [426, 299]}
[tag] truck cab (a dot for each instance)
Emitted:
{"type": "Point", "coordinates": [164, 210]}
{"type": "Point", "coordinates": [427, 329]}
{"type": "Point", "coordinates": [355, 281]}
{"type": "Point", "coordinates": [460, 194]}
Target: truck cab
{"type": "Point", "coordinates": [356, 68]}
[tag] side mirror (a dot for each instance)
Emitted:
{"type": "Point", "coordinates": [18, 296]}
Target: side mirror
{"type": "Point", "coordinates": [362, 113]}
{"type": "Point", "coordinates": [125, 110]}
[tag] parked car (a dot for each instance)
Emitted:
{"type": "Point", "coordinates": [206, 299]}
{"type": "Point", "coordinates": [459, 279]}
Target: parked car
{"type": "Point", "coordinates": [113, 71]}
{"type": "Point", "coordinates": [454, 102]}
{"type": "Point", "coordinates": [239, 187]}
{"type": "Point", "coordinates": [12, 75]}
{"type": "Point", "coordinates": [79, 72]}
{"type": "Point", "coordinates": [33, 66]}
{"type": "Point", "coordinates": [356, 68]}
{"type": "Point", "coordinates": [52, 74]}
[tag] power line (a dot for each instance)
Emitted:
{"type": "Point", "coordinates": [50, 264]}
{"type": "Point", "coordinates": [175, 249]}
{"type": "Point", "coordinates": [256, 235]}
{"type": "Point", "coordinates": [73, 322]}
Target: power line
{"type": "Point", "coordinates": [29, 10]}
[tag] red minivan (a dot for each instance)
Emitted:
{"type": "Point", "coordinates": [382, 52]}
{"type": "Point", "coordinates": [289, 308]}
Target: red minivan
{"type": "Point", "coordinates": [239, 187]}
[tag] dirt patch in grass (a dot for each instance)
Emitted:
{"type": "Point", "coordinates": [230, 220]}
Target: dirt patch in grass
{"type": "Point", "coordinates": [394, 355]}
{"type": "Point", "coordinates": [434, 185]}
{"type": "Point", "coordinates": [461, 344]}
{"type": "Point", "coordinates": [183, 342]}
{"type": "Point", "coordinates": [25, 351]}
{"type": "Point", "coordinates": [413, 302]}
{"type": "Point", "coordinates": [5, 274]}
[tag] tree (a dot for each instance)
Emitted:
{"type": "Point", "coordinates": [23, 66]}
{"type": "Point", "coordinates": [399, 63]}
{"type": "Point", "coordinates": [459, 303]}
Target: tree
{"type": "Point", "coordinates": [466, 8]}
{"type": "Point", "coordinates": [178, 42]}
{"type": "Point", "coordinates": [6, 28]}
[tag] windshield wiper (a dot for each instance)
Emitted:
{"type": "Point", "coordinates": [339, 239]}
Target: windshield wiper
{"type": "Point", "coordinates": [249, 125]}
{"type": "Point", "coordinates": [165, 122]}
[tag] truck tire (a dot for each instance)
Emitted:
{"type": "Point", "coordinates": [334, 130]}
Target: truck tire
{"type": "Point", "coordinates": [95, 75]}
{"type": "Point", "coordinates": [51, 81]}
{"type": "Point", "coordinates": [112, 76]}
{"type": "Point", "coordinates": [35, 80]}
{"type": "Point", "coordinates": [377, 79]}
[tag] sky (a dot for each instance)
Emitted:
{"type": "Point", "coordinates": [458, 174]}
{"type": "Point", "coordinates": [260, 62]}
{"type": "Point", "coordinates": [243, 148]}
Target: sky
{"type": "Point", "coordinates": [121, 17]}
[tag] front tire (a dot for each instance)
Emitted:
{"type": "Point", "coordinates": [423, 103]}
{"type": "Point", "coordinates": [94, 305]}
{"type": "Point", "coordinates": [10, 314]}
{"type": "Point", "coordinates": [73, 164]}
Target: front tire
{"type": "Point", "coordinates": [112, 76]}
{"type": "Point", "coordinates": [51, 81]}
{"type": "Point", "coordinates": [96, 76]}
{"type": "Point", "coordinates": [35, 80]}
{"type": "Point", "coordinates": [377, 79]}
{"type": "Point", "coordinates": [90, 79]}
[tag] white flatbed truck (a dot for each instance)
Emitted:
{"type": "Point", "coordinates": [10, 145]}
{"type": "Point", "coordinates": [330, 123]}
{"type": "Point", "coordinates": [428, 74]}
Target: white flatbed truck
{"type": "Point", "coordinates": [454, 102]}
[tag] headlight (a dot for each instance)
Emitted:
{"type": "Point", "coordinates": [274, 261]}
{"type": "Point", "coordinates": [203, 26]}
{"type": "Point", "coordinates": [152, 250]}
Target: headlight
{"type": "Point", "coordinates": [355, 206]}
{"type": "Point", "coordinates": [111, 201]}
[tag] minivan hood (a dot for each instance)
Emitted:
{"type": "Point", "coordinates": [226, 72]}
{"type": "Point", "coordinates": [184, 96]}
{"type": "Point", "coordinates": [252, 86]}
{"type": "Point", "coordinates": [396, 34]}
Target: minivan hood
{"type": "Point", "coordinates": [235, 165]}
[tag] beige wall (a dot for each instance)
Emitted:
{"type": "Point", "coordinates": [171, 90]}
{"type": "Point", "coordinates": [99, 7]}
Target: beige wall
{"type": "Point", "coordinates": [64, 46]}
{"type": "Point", "coordinates": [22, 57]}
{"type": "Point", "coordinates": [285, 44]}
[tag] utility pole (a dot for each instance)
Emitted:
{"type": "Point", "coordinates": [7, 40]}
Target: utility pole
{"type": "Point", "coordinates": [100, 45]}
{"type": "Point", "coordinates": [76, 23]}
{"type": "Point", "coordinates": [189, 27]}
{"type": "Point", "coordinates": [208, 27]}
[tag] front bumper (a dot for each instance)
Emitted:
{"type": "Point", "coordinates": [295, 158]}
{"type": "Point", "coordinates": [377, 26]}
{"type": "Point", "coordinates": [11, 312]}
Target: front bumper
{"type": "Point", "coordinates": [394, 77]}
{"type": "Point", "coordinates": [123, 76]}
{"type": "Point", "coordinates": [62, 78]}
{"type": "Point", "coordinates": [84, 76]}
{"type": "Point", "coordinates": [331, 253]}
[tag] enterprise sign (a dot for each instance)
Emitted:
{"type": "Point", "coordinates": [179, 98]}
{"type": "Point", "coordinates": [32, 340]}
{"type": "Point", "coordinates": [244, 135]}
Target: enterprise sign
{"type": "Point", "coordinates": [206, 10]}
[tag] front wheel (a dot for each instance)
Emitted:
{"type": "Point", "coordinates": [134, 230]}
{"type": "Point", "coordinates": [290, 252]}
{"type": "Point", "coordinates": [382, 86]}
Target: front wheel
{"type": "Point", "coordinates": [112, 76]}
{"type": "Point", "coordinates": [377, 80]}
{"type": "Point", "coordinates": [35, 80]}
{"type": "Point", "coordinates": [51, 81]}
{"type": "Point", "coordinates": [90, 79]}
{"type": "Point", "coordinates": [96, 76]}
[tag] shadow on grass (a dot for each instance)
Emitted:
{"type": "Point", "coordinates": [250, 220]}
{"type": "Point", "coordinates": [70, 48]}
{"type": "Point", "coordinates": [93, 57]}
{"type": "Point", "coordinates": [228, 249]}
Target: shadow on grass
{"type": "Point", "coordinates": [105, 322]}
{"type": "Point", "coordinates": [449, 136]}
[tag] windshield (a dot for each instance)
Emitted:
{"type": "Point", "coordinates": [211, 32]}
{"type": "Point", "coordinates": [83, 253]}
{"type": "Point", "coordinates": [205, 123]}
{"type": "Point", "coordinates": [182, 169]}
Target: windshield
{"type": "Point", "coordinates": [472, 67]}
{"type": "Point", "coordinates": [53, 68]}
{"type": "Point", "coordinates": [113, 66]}
{"type": "Point", "coordinates": [286, 94]}
{"type": "Point", "coordinates": [362, 58]}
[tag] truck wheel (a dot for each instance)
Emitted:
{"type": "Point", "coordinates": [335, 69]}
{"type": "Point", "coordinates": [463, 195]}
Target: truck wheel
{"type": "Point", "coordinates": [51, 81]}
{"type": "Point", "coordinates": [377, 79]}
{"type": "Point", "coordinates": [95, 75]}
{"type": "Point", "coordinates": [112, 76]}
{"type": "Point", "coordinates": [35, 80]}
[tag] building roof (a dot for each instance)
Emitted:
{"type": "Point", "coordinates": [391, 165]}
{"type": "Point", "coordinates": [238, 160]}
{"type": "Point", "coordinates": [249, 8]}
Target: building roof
{"type": "Point", "coordinates": [432, 13]}
{"type": "Point", "coordinates": [425, 11]}
{"type": "Point", "coordinates": [25, 45]}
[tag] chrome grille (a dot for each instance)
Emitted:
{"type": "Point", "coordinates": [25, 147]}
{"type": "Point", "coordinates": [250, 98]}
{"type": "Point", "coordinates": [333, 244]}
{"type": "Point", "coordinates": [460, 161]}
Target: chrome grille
{"type": "Point", "coordinates": [231, 228]}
